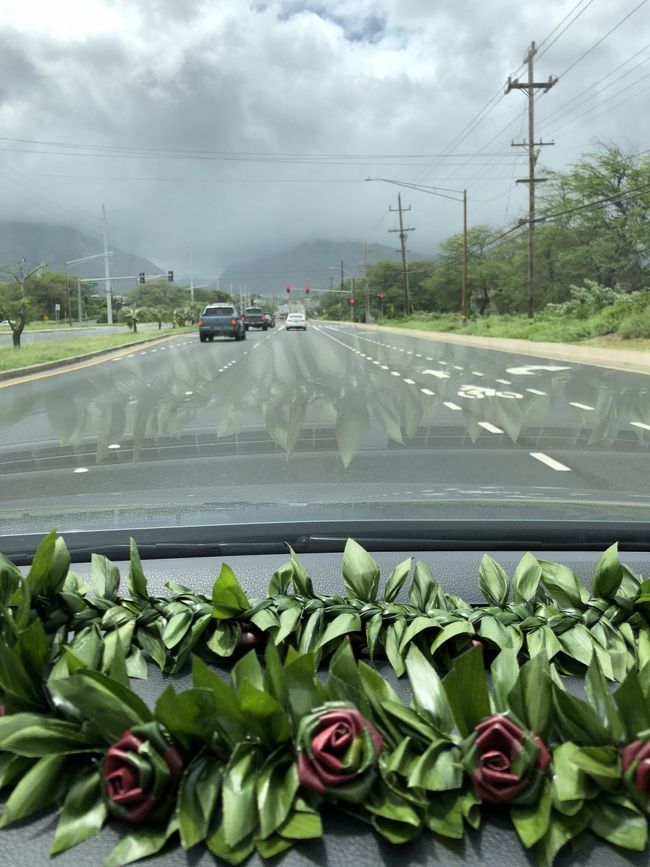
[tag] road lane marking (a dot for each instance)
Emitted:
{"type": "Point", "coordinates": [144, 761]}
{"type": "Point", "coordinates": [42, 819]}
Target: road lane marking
{"type": "Point", "coordinates": [641, 424]}
{"type": "Point", "coordinates": [81, 470]}
{"type": "Point", "coordinates": [490, 428]}
{"type": "Point", "coordinates": [450, 405]}
{"type": "Point", "coordinates": [536, 391]}
{"type": "Point", "coordinates": [427, 391]}
{"type": "Point", "coordinates": [504, 381]}
{"type": "Point", "coordinates": [550, 462]}
{"type": "Point", "coordinates": [395, 373]}
{"type": "Point", "coordinates": [477, 373]}
{"type": "Point", "coordinates": [531, 369]}
{"type": "Point", "coordinates": [582, 406]}
{"type": "Point", "coordinates": [409, 381]}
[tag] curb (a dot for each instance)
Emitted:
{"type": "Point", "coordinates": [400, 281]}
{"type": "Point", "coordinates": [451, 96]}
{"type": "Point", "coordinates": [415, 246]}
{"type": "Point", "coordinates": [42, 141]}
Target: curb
{"type": "Point", "coordinates": [21, 372]}
{"type": "Point", "coordinates": [631, 360]}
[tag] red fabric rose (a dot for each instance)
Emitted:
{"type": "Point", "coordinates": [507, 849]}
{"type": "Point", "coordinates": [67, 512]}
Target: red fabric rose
{"type": "Point", "coordinates": [136, 780]}
{"type": "Point", "coordinates": [498, 745]}
{"type": "Point", "coordinates": [638, 754]}
{"type": "Point", "coordinates": [338, 749]}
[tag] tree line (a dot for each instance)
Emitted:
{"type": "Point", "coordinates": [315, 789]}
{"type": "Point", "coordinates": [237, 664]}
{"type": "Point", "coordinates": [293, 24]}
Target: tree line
{"type": "Point", "coordinates": [593, 227]}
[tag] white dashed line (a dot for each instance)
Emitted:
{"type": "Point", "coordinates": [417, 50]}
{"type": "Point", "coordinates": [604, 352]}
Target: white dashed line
{"type": "Point", "coordinates": [427, 391]}
{"type": "Point", "coordinates": [550, 462]}
{"type": "Point", "coordinates": [582, 406]}
{"type": "Point", "coordinates": [505, 381]}
{"type": "Point", "coordinates": [641, 424]}
{"type": "Point", "coordinates": [395, 373]}
{"type": "Point", "coordinates": [535, 391]}
{"type": "Point", "coordinates": [385, 367]}
{"type": "Point", "coordinates": [81, 470]}
{"type": "Point", "coordinates": [477, 373]}
{"type": "Point", "coordinates": [451, 405]}
{"type": "Point", "coordinates": [490, 428]}
{"type": "Point", "coordinates": [409, 381]}
{"type": "Point", "coordinates": [114, 446]}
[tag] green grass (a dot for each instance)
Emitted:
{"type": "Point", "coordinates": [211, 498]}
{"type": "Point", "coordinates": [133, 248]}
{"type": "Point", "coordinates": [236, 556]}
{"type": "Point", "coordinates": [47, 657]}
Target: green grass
{"type": "Point", "coordinates": [55, 350]}
{"type": "Point", "coordinates": [541, 328]}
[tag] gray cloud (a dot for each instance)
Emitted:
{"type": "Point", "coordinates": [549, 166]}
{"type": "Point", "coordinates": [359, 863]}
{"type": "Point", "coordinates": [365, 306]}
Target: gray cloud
{"type": "Point", "coordinates": [367, 77]}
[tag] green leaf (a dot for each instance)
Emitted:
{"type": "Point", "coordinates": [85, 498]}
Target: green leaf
{"type": "Point", "coordinates": [620, 823]}
{"type": "Point", "coordinates": [360, 572]}
{"type": "Point", "coordinates": [531, 823]}
{"type": "Point", "coordinates": [396, 580]}
{"type": "Point", "coordinates": [41, 786]}
{"type": "Point", "coordinates": [493, 581]}
{"type": "Point", "coordinates": [445, 815]}
{"type": "Point", "coordinates": [392, 640]}
{"type": "Point", "coordinates": [230, 720]}
{"type": "Point", "coordinates": [225, 638]}
{"type": "Point", "coordinates": [301, 579]}
{"type": "Point", "coordinates": [341, 625]}
{"type": "Point", "coordinates": [137, 583]}
{"type": "Point", "coordinates": [633, 705]}
{"type": "Point", "coordinates": [109, 706]}
{"type": "Point", "coordinates": [192, 712]}
{"type": "Point", "coordinates": [240, 816]}
{"type": "Point", "coordinates": [577, 721]}
{"type": "Point", "coordinates": [49, 566]}
{"type": "Point", "coordinates": [106, 576]}
{"type": "Point", "coordinates": [272, 846]}
{"type": "Point", "coordinates": [526, 579]}
{"type": "Point", "coordinates": [264, 714]}
{"type": "Point", "coordinates": [428, 692]}
{"type": "Point", "coordinates": [248, 670]}
{"type": "Point", "coordinates": [83, 815]}
{"type": "Point", "coordinates": [177, 625]}
{"type": "Point", "coordinates": [281, 580]}
{"type": "Point", "coordinates": [449, 632]}
{"type": "Point", "coordinates": [153, 646]}
{"type": "Point", "coordinates": [563, 585]}
{"type": "Point", "coordinates": [36, 735]}
{"type": "Point", "coordinates": [305, 693]}
{"type": "Point", "coordinates": [608, 574]}
{"type": "Point", "coordinates": [601, 700]}
{"type": "Point", "coordinates": [424, 589]}
{"type": "Point", "coordinates": [230, 854]}
{"type": "Point", "coordinates": [302, 826]}
{"type": "Point", "coordinates": [438, 769]}
{"type": "Point", "coordinates": [467, 691]}
{"type": "Point", "coordinates": [277, 785]}
{"type": "Point", "coordinates": [535, 691]}
{"type": "Point", "coordinates": [228, 598]}
{"type": "Point", "coordinates": [288, 620]}
{"type": "Point", "coordinates": [140, 844]}
{"type": "Point", "coordinates": [311, 632]}
{"type": "Point", "coordinates": [197, 799]}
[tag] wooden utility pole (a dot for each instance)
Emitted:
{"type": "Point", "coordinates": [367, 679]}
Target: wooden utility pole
{"type": "Point", "coordinates": [403, 233]}
{"type": "Point", "coordinates": [366, 285]}
{"type": "Point", "coordinates": [463, 300]}
{"type": "Point", "coordinates": [530, 87]}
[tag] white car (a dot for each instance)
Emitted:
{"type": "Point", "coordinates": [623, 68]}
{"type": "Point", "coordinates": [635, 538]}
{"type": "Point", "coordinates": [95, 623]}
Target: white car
{"type": "Point", "coordinates": [296, 321]}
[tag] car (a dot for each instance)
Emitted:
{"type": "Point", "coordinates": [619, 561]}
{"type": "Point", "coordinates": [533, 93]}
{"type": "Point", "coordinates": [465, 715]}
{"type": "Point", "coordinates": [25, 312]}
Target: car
{"type": "Point", "coordinates": [270, 318]}
{"type": "Point", "coordinates": [221, 320]}
{"type": "Point", "coordinates": [296, 322]}
{"type": "Point", "coordinates": [254, 318]}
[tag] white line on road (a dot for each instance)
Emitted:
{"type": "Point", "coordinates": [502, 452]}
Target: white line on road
{"type": "Point", "coordinates": [535, 391]}
{"type": "Point", "coordinates": [409, 381]}
{"type": "Point", "coordinates": [641, 424]}
{"type": "Point", "coordinates": [582, 405]}
{"type": "Point", "coordinates": [505, 381]}
{"type": "Point", "coordinates": [550, 462]}
{"type": "Point", "coordinates": [477, 373]}
{"type": "Point", "coordinates": [427, 391]}
{"type": "Point", "coordinates": [451, 405]}
{"type": "Point", "coordinates": [490, 428]}
{"type": "Point", "coordinates": [395, 373]}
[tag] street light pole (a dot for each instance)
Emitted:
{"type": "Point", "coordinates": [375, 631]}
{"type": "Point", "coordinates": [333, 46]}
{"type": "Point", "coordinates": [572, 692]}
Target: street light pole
{"type": "Point", "coordinates": [107, 272]}
{"type": "Point", "coordinates": [464, 290]}
{"type": "Point", "coordinates": [103, 255]}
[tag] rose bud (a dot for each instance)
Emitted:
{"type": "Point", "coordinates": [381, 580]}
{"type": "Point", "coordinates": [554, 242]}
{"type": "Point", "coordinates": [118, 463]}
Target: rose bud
{"type": "Point", "coordinates": [506, 764]}
{"type": "Point", "coordinates": [338, 751]}
{"type": "Point", "coordinates": [635, 763]}
{"type": "Point", "coordinates": [141, 772]}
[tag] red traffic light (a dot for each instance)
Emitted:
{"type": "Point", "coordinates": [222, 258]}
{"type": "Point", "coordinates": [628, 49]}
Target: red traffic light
{"type": "Point", "coordinates": [307, 290]}
{"type": "Point", "coordinates": [380, 295]}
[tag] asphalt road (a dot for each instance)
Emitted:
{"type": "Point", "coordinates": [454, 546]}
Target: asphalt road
{"type": "Point", "coordinates": [336, 415]}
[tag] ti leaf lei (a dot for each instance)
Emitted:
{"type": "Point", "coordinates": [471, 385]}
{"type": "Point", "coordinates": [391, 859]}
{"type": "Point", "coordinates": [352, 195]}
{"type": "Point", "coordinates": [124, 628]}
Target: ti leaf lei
{"type": "Point", "coordinates": [246, 765]}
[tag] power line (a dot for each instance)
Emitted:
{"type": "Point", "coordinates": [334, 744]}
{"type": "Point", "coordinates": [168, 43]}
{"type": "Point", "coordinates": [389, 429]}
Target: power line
{"type": "Point", "coordinates": [564, 29]}
{"type": "Point", "coordinates": [596, 108]}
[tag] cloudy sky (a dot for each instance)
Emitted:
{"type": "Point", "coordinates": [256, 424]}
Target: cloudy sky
{"type": "Point", "coordinates": [236, 130]}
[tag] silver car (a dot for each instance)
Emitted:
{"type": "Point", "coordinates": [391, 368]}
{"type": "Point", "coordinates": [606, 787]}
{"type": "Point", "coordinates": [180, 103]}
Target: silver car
{"type": "Point", "coordinates": [297, 322]}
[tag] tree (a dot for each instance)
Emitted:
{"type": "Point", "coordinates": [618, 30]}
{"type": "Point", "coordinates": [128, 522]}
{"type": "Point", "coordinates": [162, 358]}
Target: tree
{"type": "Point", "coordinates": [14, 300]}
{"type": "Point", "coordinates": [130, 316]}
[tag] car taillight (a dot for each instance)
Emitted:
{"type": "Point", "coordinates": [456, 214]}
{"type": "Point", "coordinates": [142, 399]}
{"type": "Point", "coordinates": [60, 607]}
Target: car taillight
{"type": "Point", "coordinates": [233, 322]}
{"type": "Point", "coordinates": [200, 322]}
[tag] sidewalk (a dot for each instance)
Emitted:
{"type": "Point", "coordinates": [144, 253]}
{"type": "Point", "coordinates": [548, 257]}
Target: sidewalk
{"type": "Point", "coordinates": [634, 360]}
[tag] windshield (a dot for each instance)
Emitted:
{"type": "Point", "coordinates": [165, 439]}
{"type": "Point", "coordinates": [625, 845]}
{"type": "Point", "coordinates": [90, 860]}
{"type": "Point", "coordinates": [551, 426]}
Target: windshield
{"type": "Point", "coordinates": [447, 248]}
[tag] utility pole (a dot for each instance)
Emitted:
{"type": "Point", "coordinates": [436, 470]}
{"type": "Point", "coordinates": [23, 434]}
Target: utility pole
{"type": "Point", "coordinates": [367, 291]}
{"type": "Point", "coordinates": [463, 300]}
{"type": "Point", "coordinates": [107, 273]}
{"type": "Point", "coordinates": [192, 278]}
{"type": "Point", "coordinates": [342, 277]}
{"type": "Point", "coordinates": [530, 87]}
{"type": "Point", "coordinates": [402, 237]}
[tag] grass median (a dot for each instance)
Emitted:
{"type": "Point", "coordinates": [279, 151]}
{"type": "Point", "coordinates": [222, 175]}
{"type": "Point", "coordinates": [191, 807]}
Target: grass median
{"type": "Point", "coordinates": [58, 350]}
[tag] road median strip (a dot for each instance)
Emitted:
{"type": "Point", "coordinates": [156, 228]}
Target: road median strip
{"type": "Point", "coordinates": [71, 361]}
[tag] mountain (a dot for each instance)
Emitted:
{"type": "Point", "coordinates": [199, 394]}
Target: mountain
{"type": "Point", "coordinates": [316, 264]}
{"type": "Point", "coordinates": [55, 244]}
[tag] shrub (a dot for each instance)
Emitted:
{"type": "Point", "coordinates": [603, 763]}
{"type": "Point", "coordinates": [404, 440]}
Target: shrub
{"type": "Point", "coordinates": [636, 326]}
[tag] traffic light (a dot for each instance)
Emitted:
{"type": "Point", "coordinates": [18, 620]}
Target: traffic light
{"type": "Point", "coordinates": [380, 295]}
{"type": "Point", "coordinates": [170, 276]}
{"type": "Point", "coordinates": [141, 277]}
{"type": "Point", "coordinates": [307, 290]}
{"type": "Point", "coordinates": [352, 302]}
{"type": "Point", "coordinates": [288, 288]}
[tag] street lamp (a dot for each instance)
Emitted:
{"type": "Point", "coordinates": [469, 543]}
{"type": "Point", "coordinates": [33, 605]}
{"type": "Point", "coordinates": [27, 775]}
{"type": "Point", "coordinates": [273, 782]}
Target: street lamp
{"type": "Point", "coordinates": [442, 192]}
{"type": "Point", "coordinates": [67, 284]}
